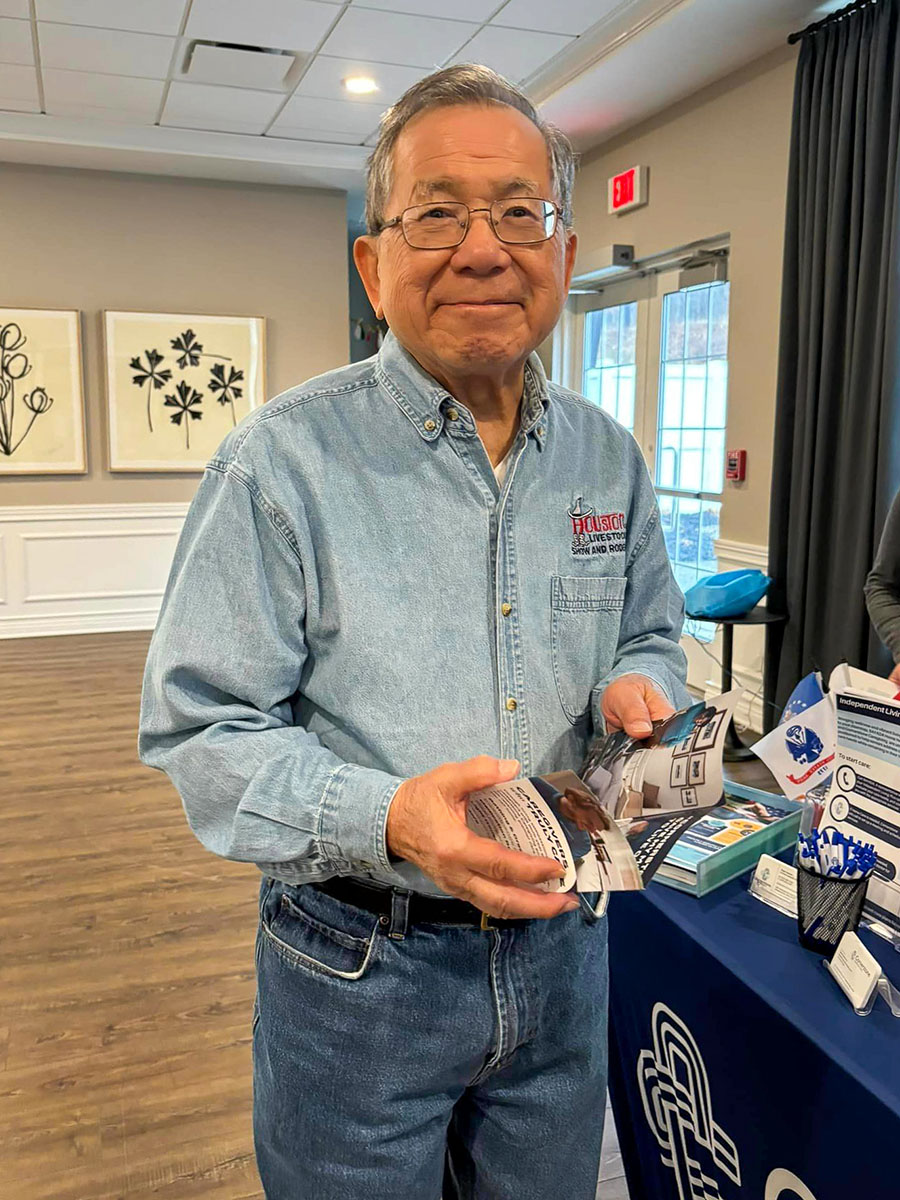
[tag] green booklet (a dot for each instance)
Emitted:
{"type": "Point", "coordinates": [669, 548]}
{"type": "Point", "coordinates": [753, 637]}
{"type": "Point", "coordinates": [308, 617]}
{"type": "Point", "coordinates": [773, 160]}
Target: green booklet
{"type": "Point", "coordinates": [729, 839]}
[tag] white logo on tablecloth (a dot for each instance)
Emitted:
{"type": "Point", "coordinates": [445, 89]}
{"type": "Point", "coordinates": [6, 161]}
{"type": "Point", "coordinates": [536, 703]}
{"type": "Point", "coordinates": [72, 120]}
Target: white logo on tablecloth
{"type": "Point", "coordinates": [781, 1182]}
{"type": "Point", "coordinates": [674, 1087]}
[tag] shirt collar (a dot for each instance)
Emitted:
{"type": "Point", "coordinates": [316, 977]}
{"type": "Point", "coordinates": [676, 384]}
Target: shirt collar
{"type": "Point", "coordinates": [419, 395]}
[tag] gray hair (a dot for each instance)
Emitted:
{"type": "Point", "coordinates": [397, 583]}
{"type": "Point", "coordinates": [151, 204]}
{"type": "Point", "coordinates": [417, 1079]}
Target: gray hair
{"type": "Point", "coordinates": [467, 83]}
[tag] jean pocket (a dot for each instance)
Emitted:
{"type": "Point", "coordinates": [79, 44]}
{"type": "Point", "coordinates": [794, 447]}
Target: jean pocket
{"type": "Point", "coordinates": [318, 943]}
{"type": "Point", "coordinates": [585, 615]}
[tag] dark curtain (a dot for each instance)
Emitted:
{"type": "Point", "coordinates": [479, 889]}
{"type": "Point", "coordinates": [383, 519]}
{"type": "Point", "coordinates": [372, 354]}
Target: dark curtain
{"type": "Point", "coordinates": [836, 459]}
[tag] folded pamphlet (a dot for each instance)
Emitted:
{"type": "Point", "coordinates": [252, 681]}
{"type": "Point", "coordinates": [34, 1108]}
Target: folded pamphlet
{"type": "Point", "coordinates": [611, 825]}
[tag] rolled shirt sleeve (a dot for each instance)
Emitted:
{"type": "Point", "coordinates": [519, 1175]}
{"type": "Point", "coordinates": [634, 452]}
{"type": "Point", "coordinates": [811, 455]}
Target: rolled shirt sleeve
{"type": "Point", "coordinates": [223, 666]}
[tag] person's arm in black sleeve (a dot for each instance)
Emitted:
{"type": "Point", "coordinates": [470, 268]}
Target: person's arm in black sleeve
{"type": "Point", "coordinates": [882, 588]}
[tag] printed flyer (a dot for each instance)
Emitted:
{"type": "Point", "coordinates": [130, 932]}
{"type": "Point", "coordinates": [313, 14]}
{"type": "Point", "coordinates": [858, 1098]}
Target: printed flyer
{"type": "Point", "coordinates": [865, 792]}
{"type": "Point", "coordinates": [612, 826]}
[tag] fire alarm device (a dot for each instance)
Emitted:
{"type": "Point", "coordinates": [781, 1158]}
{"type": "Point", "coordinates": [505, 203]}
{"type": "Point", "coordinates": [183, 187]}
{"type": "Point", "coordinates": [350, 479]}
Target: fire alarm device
{"type": "Point", "coordinates": [736, 465]}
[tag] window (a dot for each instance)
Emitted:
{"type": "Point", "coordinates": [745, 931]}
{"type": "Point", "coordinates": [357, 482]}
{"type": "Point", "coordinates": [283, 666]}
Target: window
{"type": "Point", "coordinates": [690, 448]}
{"type": "Point", "coordinates": [655, 356]}
{"type": "Point", "coordinates": [610, 370]}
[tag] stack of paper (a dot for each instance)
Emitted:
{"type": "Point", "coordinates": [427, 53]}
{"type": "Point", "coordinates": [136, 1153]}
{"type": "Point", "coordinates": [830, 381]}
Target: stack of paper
{"type": "Point", "coordinates": [729, 839]}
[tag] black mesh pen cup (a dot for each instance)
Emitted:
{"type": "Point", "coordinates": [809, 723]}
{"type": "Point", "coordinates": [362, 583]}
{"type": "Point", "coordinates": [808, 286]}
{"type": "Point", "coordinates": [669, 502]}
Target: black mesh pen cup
{"type": "Point", "coordinates": [826, 908]}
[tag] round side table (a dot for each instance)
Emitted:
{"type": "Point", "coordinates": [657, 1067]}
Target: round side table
{"type": "Point", "coordinates": [735, 750]}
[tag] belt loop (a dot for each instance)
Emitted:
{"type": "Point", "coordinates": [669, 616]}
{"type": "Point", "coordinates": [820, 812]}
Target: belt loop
{"type": "Point", "coordinates": [399, 914]}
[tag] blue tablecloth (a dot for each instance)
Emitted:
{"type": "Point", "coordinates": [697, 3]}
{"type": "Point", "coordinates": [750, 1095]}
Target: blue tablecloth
{"type": "Point", "coordinates": [737, 1066]}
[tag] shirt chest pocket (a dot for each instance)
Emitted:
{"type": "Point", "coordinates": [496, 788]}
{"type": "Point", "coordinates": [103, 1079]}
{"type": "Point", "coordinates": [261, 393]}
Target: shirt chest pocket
{"type": "Point", "coordinates": [585, 614]}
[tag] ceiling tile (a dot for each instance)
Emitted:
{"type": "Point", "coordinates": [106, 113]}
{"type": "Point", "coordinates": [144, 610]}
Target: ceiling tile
{"type": "Point", "coordinates": [329, 116]}
{"type": "Point", "coordinates": [515, 54]}
{"type": "Point", "coordinates": [109, 97]}
{"type": "Point", "coordinates": [229, 110]}
{"type": "Point", "coordinates": [107, 51]}
{"type": "Point", "coordinates": [14, 8]}
{"type": "Point", "coordinates": [253, 69]}
{"type": "Point", "coordinates": [139, 16]}
{"type": "Point", "coordinates": [18, 88]}
{"type": "Point", "coordinates": [326, 73]}
{"type": "Point", "coordinates": [15, 42]}
{"type": "Point", "coordinates": [316, 135]}
{"type": "Point", "coordinates": [463, 10]}
{"type": "Point", "coordinates": [281, 24]}
{"type": "Point", "coordinates": [562, 16]}
{"type": "Point", "coordinates": [413, 41]}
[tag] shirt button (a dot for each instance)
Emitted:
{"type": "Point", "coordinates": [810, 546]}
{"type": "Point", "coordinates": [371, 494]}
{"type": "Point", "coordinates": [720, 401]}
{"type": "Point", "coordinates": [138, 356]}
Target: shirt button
{"type": "Point", "coordinates": [511, 704]}
{"type": "Point", "coordinates": [540, 430]}
{"type": "Point", "coordinates": [452, 414]}
{"type": "Point", "coordinates": [430, 425]}
{"type": "Point", "coordinates": [506, 608]}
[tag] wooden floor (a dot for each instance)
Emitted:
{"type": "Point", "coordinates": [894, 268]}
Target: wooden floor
{"type": "Point", "coordinates": [126, 951]}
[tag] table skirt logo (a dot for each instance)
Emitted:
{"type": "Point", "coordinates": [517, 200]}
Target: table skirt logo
{"type": "Point", "coordinates": [595, 533]}
{"type": "Point", "coordinates": [674, 1088]}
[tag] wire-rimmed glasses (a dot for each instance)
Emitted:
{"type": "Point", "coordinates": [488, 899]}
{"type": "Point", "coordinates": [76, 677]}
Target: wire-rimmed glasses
{"type": "Point", "coordinates": [440, 225]}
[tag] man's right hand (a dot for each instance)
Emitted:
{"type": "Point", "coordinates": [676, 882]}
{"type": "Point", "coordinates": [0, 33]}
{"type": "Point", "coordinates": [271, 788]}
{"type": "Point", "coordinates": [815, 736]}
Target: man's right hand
{"type": "Point", "coordinates": [426, 824]}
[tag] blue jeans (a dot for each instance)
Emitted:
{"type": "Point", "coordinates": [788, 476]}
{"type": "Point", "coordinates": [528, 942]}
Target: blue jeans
{"type": "Point", "coordinates": [401, 1062]}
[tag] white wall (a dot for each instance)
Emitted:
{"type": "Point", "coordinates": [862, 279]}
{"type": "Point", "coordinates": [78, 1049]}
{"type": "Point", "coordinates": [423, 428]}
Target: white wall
{"type": "Point", "coordinates": [91, 553]}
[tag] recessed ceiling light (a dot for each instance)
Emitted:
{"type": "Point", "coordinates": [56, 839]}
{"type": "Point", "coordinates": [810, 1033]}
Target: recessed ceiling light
{"type": "Point", "coordinates": [360, 85]}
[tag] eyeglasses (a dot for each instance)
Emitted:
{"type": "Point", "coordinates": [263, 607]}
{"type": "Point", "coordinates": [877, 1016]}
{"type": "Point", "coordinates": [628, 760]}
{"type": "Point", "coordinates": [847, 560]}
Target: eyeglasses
{"type": "Point", "coordinates": [518, 220]}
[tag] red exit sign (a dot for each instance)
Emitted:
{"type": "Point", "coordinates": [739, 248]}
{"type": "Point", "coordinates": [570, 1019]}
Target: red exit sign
{"type": "Point", "coordinates": [628, 189]}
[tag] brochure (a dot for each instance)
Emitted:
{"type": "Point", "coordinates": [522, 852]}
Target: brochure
{"type": "Point", "coordinates": [730, 838]}
{"type": "Point", "coordinates": [800, 750]}
{"type": "Point", "coordinates": [611, 826]}
{"type": "Point", "coordinates": [864, 799]}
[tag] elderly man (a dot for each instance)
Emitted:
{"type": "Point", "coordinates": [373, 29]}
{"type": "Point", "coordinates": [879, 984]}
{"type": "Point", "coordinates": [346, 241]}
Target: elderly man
{"type": "Point", "coordinates": [400, 582]}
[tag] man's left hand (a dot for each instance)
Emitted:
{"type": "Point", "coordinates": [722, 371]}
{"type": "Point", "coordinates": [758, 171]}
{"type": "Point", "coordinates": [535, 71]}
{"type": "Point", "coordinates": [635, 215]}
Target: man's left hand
{"type": "Point", "coordinates": [633, 703]}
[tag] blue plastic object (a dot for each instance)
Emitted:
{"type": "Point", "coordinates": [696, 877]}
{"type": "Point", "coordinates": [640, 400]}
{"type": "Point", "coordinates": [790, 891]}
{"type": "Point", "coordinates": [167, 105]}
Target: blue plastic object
{"type": "Point", "coordinates": [730, 594]}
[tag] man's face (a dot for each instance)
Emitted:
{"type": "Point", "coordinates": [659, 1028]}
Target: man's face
{"type": "Point", "coordinates": [481, 307]}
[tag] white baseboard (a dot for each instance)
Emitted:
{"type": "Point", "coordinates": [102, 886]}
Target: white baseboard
{"type": "Point", "coordinates": [84, 568]}
{"type": "Point", "coordinates": [741, 554]}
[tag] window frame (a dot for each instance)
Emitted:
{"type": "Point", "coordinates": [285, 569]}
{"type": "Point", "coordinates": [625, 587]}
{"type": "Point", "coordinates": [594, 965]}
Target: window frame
{"type": "Point", "coordinates": [649, 287]}
{"type": "Point", "coordinates": [649, 290]}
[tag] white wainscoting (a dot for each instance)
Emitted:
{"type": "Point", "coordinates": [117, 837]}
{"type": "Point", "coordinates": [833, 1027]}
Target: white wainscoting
{"type": "Point", "coordinates": [101, 568]}
{"type": "Point", "coordinates": [705, 674]}
{"type": "Point", "coordinates": [84, 568]}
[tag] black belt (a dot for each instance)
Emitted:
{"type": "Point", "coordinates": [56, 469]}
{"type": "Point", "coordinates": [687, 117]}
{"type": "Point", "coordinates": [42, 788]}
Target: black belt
{"type": "Point", "coordinates": [428, 910]}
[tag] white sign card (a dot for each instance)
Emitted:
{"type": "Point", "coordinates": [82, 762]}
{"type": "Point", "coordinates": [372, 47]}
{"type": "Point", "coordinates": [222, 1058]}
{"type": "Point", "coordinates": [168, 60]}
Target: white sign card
{"type": "Point", "coordinates": [775, 883]}
{"type": "Point", "coordinates": [856, 970]}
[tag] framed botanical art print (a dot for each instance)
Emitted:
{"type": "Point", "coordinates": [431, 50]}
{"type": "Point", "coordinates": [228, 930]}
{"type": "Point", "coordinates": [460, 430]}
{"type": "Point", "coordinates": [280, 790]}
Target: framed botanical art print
{"type": "Point", "coordinates": [176, 384]}
{"type": "Point", "coordinates": [41, 396]}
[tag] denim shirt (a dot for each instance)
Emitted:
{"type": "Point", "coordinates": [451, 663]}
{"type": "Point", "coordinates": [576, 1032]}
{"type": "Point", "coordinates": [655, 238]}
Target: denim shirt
{"type": "Point", "coordinates": [353, 600]}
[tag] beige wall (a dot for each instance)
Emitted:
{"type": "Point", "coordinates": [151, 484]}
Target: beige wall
{"type": "Point", "coordinates": [718, 164]}
{"type": "Point", "coordinates": [95, 240]}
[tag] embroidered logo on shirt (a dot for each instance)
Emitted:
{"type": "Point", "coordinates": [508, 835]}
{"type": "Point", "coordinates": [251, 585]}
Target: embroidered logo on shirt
{"type": "Point", "coordinates": [596, 533]}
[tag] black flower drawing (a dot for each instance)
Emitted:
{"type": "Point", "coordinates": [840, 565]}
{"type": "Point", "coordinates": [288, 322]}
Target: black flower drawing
{"type": "Point", "coordinates": [190, 351]}
{"type": "Point", "coordinates": [227, 385]}
{"type": "Point", "coordinates": [14, 366]}
{"type": "Point", "coordinates": [186, 401]}
{"type": "Point", "coordinates": [150, 374]}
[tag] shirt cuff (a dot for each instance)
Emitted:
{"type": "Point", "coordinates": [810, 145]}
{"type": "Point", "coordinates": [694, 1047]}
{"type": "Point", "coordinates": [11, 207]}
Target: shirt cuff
{"type": "Point", "coordinates": [353, 818]}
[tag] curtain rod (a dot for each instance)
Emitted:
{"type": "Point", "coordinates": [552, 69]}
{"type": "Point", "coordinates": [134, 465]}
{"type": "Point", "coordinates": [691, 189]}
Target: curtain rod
{"type": "Point", "coordinates": [831, 19]}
